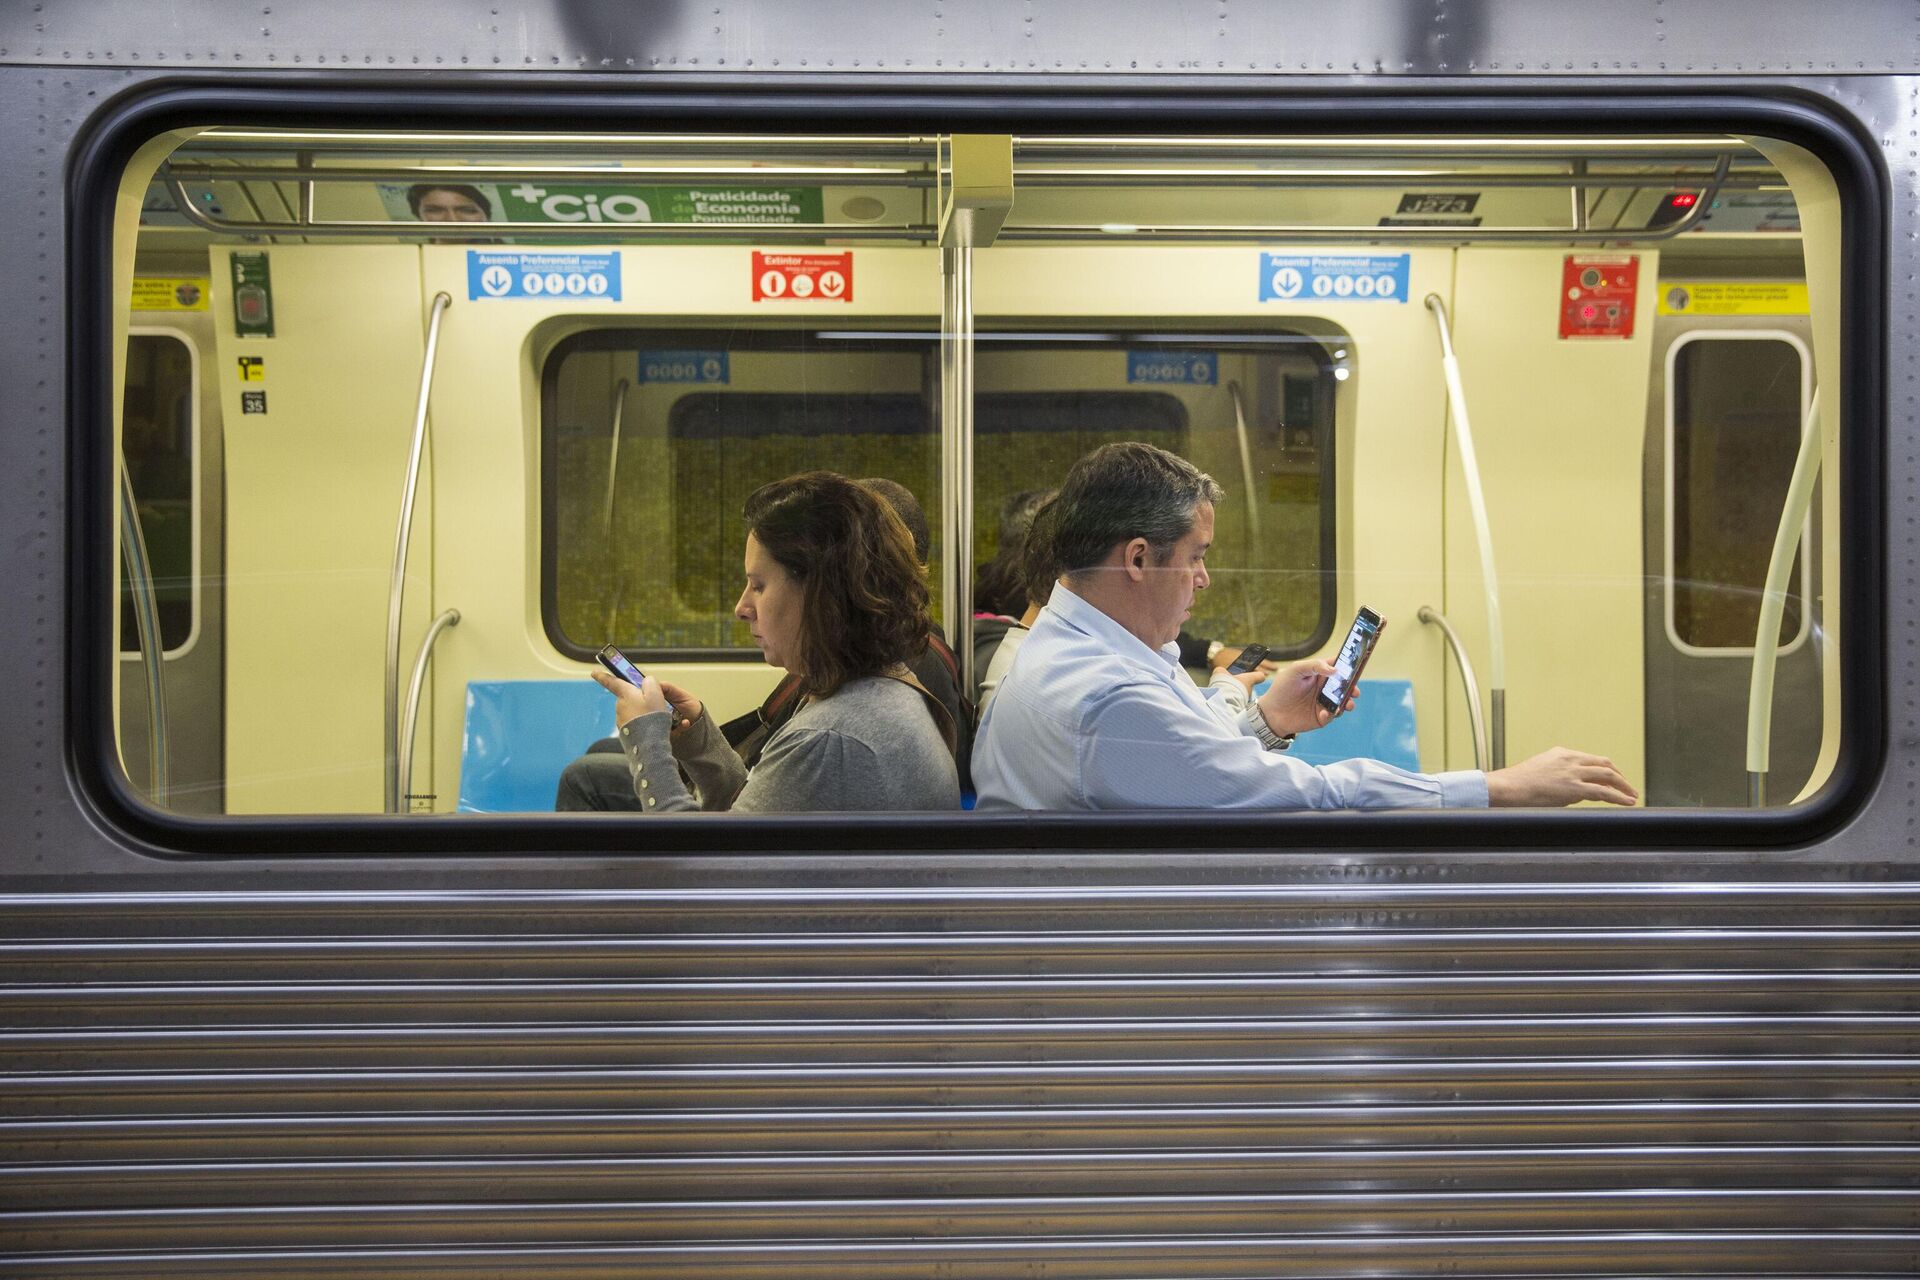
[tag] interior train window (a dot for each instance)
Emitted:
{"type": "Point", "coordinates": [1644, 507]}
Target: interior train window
{"type": "Point", "coordinates": [462, 408]}
{"type": "Point", "coordinates": [1738, 405]}
{"type": "Point", "coordinates": [160, 445]}
{"type": "Point", "coordinates": [1254, 411]}
{"type": "Point", "coordinates": [653, 440]}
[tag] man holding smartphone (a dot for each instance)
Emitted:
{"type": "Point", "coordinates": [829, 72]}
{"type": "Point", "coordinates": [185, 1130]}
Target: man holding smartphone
{"type": "Point", "coordinates": [1098, 713]}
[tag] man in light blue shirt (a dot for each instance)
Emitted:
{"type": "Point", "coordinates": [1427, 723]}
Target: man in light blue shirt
{"type": "Point", "coordinates": [1098, 713]}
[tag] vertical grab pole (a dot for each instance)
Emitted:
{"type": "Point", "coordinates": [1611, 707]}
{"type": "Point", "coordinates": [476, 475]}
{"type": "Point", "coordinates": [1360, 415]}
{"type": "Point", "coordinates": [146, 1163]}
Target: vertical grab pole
{"type": "Point", "coordinates": [146, 618]}
{"type": "Point", "coordinates": [396, 586]}
{"type": "Point", "coordinates": [975, 174]}
{"type": "Point", "coordinates": [1483, 533]}
{"type": "Point", "coordinates": [956, 447]}
{"type": "Point", "coordinates": [1773, 603]}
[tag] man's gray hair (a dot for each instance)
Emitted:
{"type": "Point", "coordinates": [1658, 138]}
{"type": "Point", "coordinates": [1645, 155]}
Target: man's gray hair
{"type": "Point", "coordinates": [1124, 491]}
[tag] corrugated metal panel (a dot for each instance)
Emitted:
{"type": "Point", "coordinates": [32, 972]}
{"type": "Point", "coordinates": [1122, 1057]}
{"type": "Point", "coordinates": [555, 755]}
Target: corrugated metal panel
{"type": "Point", "coordinates": [1285, 1080]}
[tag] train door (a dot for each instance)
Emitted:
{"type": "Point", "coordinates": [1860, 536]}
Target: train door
{"type": "Point", "coordinates": [1731, 380]}
{"type": "Point", "coordinates": [173, 448]}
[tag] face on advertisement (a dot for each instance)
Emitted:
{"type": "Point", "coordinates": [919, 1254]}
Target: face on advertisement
{"type": "Point", "coordinates": [447, 204]}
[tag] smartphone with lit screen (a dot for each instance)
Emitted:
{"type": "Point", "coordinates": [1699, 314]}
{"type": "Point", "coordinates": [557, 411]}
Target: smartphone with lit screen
{"type": "Point", "coordinates": [1354, 652]}
{"type": "Point", "coordinates": [616, 662]}
{"type": "Point", "coordinates": [1250, 657]}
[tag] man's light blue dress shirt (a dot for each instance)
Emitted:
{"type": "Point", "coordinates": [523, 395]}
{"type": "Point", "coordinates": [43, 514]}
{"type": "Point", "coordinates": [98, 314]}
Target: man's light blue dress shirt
{"type": "Point", "coordinates": [1091, 718]}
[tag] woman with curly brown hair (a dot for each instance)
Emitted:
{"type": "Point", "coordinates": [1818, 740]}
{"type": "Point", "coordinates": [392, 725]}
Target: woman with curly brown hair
{"type": "Point", "coordinates": [835, 595]}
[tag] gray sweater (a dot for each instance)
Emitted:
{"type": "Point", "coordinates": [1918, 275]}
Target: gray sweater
{"type": "Point", "coordinates": [872, 744]}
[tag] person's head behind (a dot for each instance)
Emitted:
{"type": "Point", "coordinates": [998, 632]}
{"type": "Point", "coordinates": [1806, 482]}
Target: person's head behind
{"type": "Point", "coordinates": [448, 202]}
{"type": "Point", "coordinates": [1039, 570]}
{"type": "Point", "coordinates": [907, 507]}
{"type": "Point", "coordinates": [833, 591]}
{"type": "Point", "coordinates": [999, 586]}
{"type": "Point", "coordinates": [1132, 524]}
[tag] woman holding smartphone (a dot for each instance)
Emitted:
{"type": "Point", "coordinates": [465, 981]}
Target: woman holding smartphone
{"type": "Point", "coordinates": [834, 595]}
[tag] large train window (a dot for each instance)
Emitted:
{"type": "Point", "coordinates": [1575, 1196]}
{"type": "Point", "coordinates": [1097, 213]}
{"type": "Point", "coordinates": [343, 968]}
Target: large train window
{"type": "Point", "coordinates": [1539, 401]}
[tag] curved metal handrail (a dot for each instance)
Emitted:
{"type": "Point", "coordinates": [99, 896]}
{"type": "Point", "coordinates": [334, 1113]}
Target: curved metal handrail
{"type": "Point", "coordinates": [396, 586]}
{"type": "Point", "coordinates": [1477, 721]}
{"type": "Point", "coordinates": [447, 618]}
{"type": "Point", "coordinates": [146, 619]}
{"type": "Point", "coordinates": [1773, 602]}
{"type": "Point", "coordinates": [1482, 530]}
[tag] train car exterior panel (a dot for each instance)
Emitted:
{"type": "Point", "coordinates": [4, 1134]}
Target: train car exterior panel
{"type": "Point", "coordinates": [1528, 1055]}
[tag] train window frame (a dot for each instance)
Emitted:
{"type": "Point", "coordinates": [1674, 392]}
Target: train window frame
{"type": "Point", "coordinates": [195, 496]}
{"type": "Point", "coordinates": [1670, 494]}
{"type": "Point", "coordinates": [136, 126]}
{"type": "Point", "coordinates": [1120, 336]}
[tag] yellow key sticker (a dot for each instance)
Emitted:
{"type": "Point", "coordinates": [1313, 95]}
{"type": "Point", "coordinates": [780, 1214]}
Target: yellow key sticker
{"type": "Point", "coordinates": [253, 368]}
{"type": "Point", "coordinates": [1733, 298]}
{"type": "Point", "coordinates": [169, 293]}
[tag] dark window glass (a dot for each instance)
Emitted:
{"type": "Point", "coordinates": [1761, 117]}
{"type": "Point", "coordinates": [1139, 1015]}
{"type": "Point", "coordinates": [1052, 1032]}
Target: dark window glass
{"type": "Point", "coordinates": [643, 537]}
{"type": "Point", "coordinates": [1256, 412]}
{"type": "Point", "coordinates": [1736, 431]}
{"type": "Point", "coordinates": [158, 443]}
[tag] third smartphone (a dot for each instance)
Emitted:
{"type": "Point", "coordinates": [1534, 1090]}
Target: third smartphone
{"type": "Point", "coordinates": [1250, 657]}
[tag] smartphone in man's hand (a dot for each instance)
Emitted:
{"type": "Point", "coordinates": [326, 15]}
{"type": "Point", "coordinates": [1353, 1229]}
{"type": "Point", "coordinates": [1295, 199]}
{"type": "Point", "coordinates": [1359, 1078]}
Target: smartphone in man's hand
{"type": "Point", "coordinates": [1354, 652]}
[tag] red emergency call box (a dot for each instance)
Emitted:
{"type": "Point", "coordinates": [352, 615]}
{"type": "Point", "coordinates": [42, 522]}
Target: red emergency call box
{"type": "Point", "coordinates": [1597, 295]}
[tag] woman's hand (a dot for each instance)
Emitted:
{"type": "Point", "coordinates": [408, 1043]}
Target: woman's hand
{"type": "Point", "coordinates": [630, 702]}
{"type": "Point", "coordinates": [1291, 703]}
{"type": "Point", "coordinates": [686, 708]}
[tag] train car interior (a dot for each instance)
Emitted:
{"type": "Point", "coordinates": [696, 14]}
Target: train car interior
{"type": "Point", "coordinates": [413, 423]}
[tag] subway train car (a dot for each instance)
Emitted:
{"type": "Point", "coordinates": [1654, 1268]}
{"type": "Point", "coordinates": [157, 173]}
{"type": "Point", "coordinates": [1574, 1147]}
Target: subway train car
{"type": "Point", "coordinates": [370, 367]}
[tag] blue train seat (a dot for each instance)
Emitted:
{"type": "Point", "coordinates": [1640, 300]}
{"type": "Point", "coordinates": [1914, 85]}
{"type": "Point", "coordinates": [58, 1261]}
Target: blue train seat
{"type": "Point", "coordinates": [520, 734]}
{"type": "Point", "coordinates": [1380, 727]}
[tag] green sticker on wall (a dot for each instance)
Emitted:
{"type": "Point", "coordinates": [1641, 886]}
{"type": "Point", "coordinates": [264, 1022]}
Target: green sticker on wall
{"type": "Point", "coordinates": [252, 295]}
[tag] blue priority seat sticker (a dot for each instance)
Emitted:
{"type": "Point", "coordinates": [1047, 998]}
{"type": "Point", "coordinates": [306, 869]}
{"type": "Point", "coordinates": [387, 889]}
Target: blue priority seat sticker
{"type": "Point", "coordinates": [1362, 277]}
{"type": "Point", "coordinates": [500, 274]}
{"type": "Point", "coordinates": [1191, 368]}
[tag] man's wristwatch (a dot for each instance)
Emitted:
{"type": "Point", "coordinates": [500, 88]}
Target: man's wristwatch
{"type": "Point", "coordinates": [1268, 738]}
{"type": "Point", "coordinates": [1213, 650]}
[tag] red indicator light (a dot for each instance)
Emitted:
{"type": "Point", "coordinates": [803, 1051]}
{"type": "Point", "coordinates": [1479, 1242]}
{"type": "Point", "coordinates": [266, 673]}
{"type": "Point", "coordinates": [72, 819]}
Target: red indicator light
{"type": "Point", "coordinates": [1588, 313]}
{"type": "Point", "coordinates": [1683, 199]}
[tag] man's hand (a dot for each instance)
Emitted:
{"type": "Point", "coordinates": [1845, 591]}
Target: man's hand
{"type": "Point", "coordinates": [1291, 703]}
{"type": "Point", "coordinates": [1559, 777]}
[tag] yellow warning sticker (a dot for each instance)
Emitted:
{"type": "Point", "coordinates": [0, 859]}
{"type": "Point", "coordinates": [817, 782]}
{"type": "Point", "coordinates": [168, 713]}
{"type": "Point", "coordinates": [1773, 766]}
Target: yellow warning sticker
{"type": "Point", "coordinates": [169, 293]}
{"type": "Point", "coordinates": [1733, 298]}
